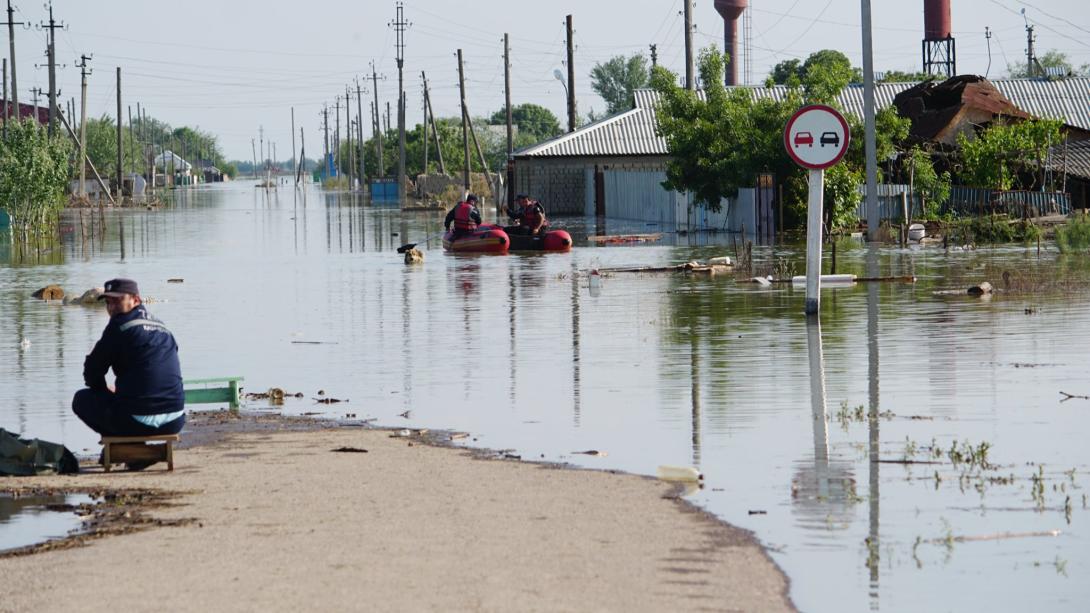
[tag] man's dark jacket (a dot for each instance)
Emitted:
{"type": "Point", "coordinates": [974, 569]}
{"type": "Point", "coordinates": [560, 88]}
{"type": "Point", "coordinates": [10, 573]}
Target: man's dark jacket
{"type": "Point", "coordinates": [144, 357]}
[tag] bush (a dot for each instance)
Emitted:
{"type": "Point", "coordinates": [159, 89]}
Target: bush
{"type": "Point", "coordinates": [1075, 235]}
{"type": "Point", "coordinates": [33, 177]}
{"type": "Point", "coordinates": [991, 230]}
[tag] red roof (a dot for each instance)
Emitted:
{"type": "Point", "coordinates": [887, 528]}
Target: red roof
{"type": "Point", "coordinates": [28, 110]}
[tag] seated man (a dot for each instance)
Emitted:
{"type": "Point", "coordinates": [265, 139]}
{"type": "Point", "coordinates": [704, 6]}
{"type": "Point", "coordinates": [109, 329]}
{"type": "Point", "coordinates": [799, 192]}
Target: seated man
{"type": "Point", "coordinates": [148, 398]}
{"type": "Point", "coordinates": [464, 215]}
{"type": "Point", "coordinates": [530, 215]}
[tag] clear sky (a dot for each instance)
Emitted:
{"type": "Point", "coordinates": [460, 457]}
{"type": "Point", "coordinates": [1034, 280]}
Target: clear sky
{"type": "Point", "coordinates": [231, 67]}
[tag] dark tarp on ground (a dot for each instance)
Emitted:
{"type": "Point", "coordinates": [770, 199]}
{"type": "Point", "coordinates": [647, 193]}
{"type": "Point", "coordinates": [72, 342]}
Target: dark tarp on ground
{"type": "Point", "coordinates": [23, 458]}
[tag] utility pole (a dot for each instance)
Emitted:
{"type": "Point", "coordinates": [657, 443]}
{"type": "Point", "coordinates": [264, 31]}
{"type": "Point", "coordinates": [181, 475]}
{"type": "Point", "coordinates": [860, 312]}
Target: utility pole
{"type": "Point", "coordinates": [434, 128]}
{"type": "Point", "coordinates": [350, 167]}
{"type": "Point", "coordinates": [1031, 56]}
{"type": "Point", "coordinates": [7, 106]}
{"type": "Point", "coordinates": [253, 150]}
{"type": "Point", "coordinates": [261, 147]}
{"type": "Point", "coordinates": [870, 147]}
{"type": "Point", "coordinates": [399, 26]}
{"type": "Point", "coordinates": [132, 148]}
{"type": "Point", "coordinates": [359, 126]}
{"type": "Point", "coordinates": [337, 135]}
{"type": "Point", "coordinates": [325, 133]}
{"type": "Point", "coordinates": [571, 76]}
{"type": "Point", "coordinates": [83, 71]}
{"type": "Point", "coordinates": [11, 23]}
{"type": "Point", "coordinates": [690, 81]}
{"type": "Point", "coordinates": [465, 128]}
{"type": "Point", "coordinates": [378, 127]}
{"type": "Point", "coordinates": [387, 115]}
{"type": "Point", "coordinates": [51, 52]}
{"type": "Point", "coordinates": [510, 124]}
{"type": "Point", "coordinates": [654, 55]}
{"type": "Point", "coordinates": [424, 99]}
{"type": "Point", "coordinates": [34, 92]}
{"type": "Point", "coordinates": [120, 182]}
{"type": "Point", "coordinates": [294, 163]}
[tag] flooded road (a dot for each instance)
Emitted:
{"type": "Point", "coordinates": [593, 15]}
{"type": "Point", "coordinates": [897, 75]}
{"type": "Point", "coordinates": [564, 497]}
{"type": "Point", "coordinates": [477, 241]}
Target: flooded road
{"type": "Point", "coordinates": [957, 398]}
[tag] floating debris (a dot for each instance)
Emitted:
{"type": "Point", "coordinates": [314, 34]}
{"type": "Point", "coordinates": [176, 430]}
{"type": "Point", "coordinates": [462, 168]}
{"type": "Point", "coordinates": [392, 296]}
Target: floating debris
{"type": "Point", "coordinates": [329, 400]}
{"type": "Point", "coordinates": [49, 292]}
{"type": "Point", "coordinates": [756, 511]}
{"type": "Point", "coordinates": [349, 450]}
{"type": "Point", "coordinates": [625, 238]}
{"type": "Point", "coordinates": [981, 289]}
{"type": "Point", "coordinates": [1065, 395]}
{"type": "Point", "coordinates": [458, 435]}
{"type": "Point", "coordinates": [679, 473]}
{"type": "Point", "coordinates": [176, 280]}
{"type": "Point", "coordinates": [406, 414]}
{"type": "Point", "coordinates": [593, 452]}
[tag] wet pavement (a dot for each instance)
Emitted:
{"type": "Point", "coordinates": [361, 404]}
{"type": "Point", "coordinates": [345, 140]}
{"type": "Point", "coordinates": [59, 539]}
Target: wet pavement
{"type": "Point", "coordinates": [957, 397]}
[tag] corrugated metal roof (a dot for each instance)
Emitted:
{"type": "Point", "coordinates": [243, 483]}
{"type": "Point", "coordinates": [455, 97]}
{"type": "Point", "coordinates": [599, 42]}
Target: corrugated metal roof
{"type": "Point", "coordinates": [633, 132]}
{"type": "Point", "coordinates": [1074, 159]}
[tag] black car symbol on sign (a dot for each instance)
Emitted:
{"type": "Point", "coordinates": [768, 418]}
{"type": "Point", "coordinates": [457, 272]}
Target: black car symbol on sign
{"type": "Point", "coordinates": [830, 138]}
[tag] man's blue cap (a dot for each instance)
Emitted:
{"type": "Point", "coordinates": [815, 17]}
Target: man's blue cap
{"type": "Point", "coordinates": [115, 288]}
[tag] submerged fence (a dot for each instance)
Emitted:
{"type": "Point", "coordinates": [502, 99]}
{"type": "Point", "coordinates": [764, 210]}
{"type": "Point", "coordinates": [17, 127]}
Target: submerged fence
{"type": "Point", "coordinates": [968, 201]}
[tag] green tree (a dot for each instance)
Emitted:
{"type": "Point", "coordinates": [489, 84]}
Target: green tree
{"type": "Point", "coordinates": [898, 76]}
{"type": "Point", "coordinates": [1006, 154]}
{"type": "Point", "coordinates": [787, 72]}
{"type": "Point", "coordinates": [825, 74]}
{"type": "Point", "coordinates": [532, 119]}
{"type": "Point", "coordinates": [33, 177]}
{"type": "Point", "coordinates": [923, 179]}
{"type": "Point", "coordinates": [102, 147]}
{"type": "Point", "coordinates": [1051, 59]}
{"type": "Point", "coordinates": [719, 144]}
{"type": "Point", "coordinates": [616, 78]}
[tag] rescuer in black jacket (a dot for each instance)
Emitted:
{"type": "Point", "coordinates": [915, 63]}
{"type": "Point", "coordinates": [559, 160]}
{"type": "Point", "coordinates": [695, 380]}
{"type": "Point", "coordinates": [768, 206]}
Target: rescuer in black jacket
{"type": "Point", "coordinates": [148, 397]}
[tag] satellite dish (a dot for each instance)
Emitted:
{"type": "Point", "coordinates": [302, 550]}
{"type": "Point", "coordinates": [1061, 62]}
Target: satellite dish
{"type": "Point", "coordinates": [559, 75]}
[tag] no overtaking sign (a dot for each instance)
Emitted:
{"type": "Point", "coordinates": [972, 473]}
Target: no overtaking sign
{"type": "Point", "coordinates": [816, 136]}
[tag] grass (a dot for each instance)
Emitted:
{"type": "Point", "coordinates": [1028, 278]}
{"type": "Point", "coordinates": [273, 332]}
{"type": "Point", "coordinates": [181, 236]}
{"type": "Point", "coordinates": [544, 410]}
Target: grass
{"type": "Point", "coordinates": [1074, 237]}
{"type": "Point", "coordinates": [991, 230]}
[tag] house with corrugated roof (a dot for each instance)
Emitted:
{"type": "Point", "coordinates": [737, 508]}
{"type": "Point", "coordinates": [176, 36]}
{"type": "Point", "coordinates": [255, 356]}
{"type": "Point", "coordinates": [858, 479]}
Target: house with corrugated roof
{"type": "Point", "coordinates": [615, 167]}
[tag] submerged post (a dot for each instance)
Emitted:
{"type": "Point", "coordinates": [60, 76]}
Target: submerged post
{"type": "Point", "coordinates": [816, 137]}
{"type": "Point", "coordinates": [815, 205]}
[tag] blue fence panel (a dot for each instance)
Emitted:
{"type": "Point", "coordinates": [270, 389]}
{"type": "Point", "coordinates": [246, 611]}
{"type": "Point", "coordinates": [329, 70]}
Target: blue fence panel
{"type": "Point", "coordinates": [384, 191]}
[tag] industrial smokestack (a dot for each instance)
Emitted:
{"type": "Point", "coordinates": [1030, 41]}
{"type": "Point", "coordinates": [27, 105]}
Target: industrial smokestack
{"type": "Point", "coordinates": [731, 10]}
{"type": "Point", "coordinates": [938, 43]}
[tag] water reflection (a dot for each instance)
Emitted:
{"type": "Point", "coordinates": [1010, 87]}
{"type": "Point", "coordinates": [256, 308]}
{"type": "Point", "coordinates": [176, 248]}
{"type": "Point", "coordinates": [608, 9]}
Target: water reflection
{"type": "Point", "coordinates": [656, 369]}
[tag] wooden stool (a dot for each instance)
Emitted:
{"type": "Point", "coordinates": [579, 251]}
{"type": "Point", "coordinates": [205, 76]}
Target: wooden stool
{"type": "Point", "coordinates": [137, 449]}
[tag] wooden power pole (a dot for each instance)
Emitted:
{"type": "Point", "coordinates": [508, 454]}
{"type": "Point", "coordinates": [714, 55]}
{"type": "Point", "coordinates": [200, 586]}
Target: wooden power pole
{"type": "Point", "coordinates": [571, 76]}
{"type": "Point", "coordinates": [510, 128]}
{"type": "Point", "coordinates": [690, 81]}
{"type": "Point", "coordinates": [434, 128]}
{"type": "Point", "coordinates": [465, 115]}
{"type": "Point", "coordinates": [120, 181]}
{"type": "Point", "coordinates": [83, 71]}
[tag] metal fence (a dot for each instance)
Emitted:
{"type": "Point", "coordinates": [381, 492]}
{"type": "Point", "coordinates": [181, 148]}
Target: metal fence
{"type": "Point", "coordinates": [968, 201]}
{"type": "Point", "coordinates": [965, 201]}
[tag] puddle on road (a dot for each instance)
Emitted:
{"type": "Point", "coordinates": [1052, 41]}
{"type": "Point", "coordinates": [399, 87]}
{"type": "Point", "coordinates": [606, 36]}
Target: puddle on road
{"type": "Point", "coordinates": [29, 520]}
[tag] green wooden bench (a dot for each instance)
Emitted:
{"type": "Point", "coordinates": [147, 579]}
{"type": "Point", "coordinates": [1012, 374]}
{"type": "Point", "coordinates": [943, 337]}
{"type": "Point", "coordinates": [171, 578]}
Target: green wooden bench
{"type": "Point", "coordinates": [216, 389]}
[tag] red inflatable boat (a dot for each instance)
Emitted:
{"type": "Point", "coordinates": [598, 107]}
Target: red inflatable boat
{"type": "Point", "coordinates": [485, 239]}
{"type": "Point", "coordinates": [550, 240]}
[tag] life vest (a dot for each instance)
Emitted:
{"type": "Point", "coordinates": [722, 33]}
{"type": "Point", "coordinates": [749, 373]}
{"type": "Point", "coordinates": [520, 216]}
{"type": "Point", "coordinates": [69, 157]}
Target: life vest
{"type": "Point", "coordinates": [531, 215]}
{"type": "Point", "coordinates": [463, 222]}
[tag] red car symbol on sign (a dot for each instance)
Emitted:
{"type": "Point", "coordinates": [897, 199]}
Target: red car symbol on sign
{"type": "Point", "coordinates": [804, 138]}
{"type": "Point", "coordinates": [830, 138]}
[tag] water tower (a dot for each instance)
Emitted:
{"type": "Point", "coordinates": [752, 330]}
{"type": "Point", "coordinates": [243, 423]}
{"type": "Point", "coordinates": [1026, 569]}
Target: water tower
{"type": "Point", "coordinates": [938, 44]}
{"type": "Point", "coordinates": [731, 10]}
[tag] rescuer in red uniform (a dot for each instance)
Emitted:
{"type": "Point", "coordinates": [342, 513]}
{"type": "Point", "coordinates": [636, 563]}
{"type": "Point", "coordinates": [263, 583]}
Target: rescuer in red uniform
{"type": "Point", "coordinates": [464, 216]}
{"type": "Point", "coordinates": [530, 215]}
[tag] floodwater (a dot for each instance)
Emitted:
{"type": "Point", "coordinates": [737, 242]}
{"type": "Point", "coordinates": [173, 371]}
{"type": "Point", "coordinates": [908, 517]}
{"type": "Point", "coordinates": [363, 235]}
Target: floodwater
{"type": "Point", "coordinates": [803, 430]}
{"type": "Point", "coordinates": [27, 520]}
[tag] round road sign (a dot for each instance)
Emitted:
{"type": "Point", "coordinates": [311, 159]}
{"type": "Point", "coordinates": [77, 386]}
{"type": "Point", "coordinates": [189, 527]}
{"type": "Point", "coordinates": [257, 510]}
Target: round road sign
{"type": "Point", "coordinates": [816, 136]}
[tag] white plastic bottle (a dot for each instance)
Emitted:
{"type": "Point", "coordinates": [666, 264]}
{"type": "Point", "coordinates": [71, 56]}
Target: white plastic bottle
{"type": "Point", "coordinates": [680, 473]}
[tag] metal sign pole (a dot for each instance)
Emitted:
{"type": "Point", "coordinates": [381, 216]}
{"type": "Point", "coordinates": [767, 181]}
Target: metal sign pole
{"type": "Point", "coordinates": [815, 204]}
